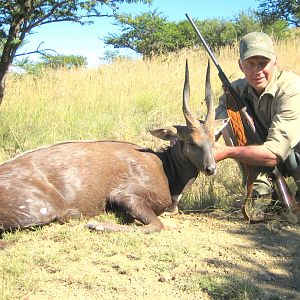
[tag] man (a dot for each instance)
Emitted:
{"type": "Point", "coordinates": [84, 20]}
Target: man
{"type": "Point", "coordinates": [274, 97]}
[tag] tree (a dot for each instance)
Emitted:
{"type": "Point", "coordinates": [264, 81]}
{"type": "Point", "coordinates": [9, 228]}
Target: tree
{"type": "Point", "coordinates": [112, 56]}
{"type": "Point", "coordinates": [63, 61]}
{"type": "Point", "coordinates": [217, 32]}
{"type": "Point", "coordinates": [56, 61]}
{"type": "Point", "coordinates": [151, 34]}
{"type": "Point", "coordinates": [250, 21]}
{"type": "Point", "coordinates": [247, 21]}
{"type": "Point", "coordinates": [271, 11]}
{"type": "Point", "coordinates": [18, 18]}
{"type": "Point", "coordinates": [146, 34]}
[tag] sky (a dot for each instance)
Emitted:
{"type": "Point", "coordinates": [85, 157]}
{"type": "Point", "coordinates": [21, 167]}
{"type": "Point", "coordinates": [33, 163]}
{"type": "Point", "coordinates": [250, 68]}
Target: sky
{"type": "Point", "coordinates": [70, 38]}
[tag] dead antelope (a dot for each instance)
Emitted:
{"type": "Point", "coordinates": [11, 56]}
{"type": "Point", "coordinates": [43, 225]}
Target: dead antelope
{"type": "Point", "coordinates": [83, 178]}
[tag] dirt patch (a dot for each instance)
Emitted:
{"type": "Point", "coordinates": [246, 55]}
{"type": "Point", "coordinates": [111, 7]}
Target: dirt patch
{"type": "Point", "coordinates": [267, 254]}
{"type": "Point", "coordinates": [204, 256]}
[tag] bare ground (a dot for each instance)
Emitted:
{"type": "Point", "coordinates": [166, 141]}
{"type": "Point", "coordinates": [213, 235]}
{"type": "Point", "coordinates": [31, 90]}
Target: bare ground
{"type": "Point", "coordinates": [70, 262]}
{"type": "Point", "coordinates": [267, 254]}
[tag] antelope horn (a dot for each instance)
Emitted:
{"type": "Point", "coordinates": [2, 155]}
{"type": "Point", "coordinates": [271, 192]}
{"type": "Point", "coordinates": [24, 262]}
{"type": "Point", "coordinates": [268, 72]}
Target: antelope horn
{"type": "Point", "coordinates": [210, 117]}
{"type": "Point", "coordinates": [191, 121]}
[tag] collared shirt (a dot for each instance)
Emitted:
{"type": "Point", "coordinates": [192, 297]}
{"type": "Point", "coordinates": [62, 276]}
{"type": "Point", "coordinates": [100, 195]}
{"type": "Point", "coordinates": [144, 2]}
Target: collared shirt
{"type": "Point", "coordinates": [278, 110]}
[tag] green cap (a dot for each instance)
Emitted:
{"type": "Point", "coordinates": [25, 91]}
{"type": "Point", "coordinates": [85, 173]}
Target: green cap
{"type": "Point", "coordinates": [256, 44]}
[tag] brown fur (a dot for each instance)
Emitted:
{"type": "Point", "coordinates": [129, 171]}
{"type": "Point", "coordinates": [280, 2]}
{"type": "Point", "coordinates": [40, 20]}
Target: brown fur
{"type": "Point", "coordinates": [81, 178]}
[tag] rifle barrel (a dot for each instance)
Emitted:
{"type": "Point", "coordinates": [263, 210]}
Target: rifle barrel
{"type": "Point", "coordinates": [240, 102]}
{"type": "Point", "coordinates": [204, 42]}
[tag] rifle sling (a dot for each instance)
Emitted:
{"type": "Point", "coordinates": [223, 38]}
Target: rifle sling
{"type": "Point", "coordinates": [240, 138]}
{"type": "Point", "coordinates": [235, 121]}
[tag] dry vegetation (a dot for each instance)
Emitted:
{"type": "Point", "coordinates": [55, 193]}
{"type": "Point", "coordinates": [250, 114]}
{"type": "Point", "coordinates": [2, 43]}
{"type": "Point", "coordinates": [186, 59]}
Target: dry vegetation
{"type": "Point", "coordinates": [202, 257]}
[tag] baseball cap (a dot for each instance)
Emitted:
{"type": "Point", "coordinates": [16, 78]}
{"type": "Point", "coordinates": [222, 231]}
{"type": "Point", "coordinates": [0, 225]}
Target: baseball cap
{"type": "Point", "coordinates": [256, 44]}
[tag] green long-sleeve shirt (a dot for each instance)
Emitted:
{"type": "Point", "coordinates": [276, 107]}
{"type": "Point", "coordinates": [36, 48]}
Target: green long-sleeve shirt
{"type": "Point", "coordinates": [278, 110]}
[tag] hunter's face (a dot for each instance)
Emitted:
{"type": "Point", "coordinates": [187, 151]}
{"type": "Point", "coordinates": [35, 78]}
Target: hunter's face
{"type": "Point", "coordinates": [258, 71]}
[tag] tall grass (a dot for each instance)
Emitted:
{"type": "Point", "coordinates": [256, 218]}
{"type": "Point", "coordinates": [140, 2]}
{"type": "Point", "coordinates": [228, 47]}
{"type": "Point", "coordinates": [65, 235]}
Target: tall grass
{"type": "Point", "coordinates": [123, 101]}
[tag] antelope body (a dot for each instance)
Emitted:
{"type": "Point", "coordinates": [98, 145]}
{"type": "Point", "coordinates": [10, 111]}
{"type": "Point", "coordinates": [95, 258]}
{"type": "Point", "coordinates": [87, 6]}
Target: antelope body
{"type": "Point", "coordinates": [81, 178]}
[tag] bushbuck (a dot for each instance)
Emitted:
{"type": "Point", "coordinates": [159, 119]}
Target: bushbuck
{"type": "Point", "coordinates": [82, 178]}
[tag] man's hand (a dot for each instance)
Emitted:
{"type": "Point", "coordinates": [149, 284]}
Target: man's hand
{"type": "Point", "coordinates": [219, 151]}
{"type": "Point", "coordinates": [256, 155]}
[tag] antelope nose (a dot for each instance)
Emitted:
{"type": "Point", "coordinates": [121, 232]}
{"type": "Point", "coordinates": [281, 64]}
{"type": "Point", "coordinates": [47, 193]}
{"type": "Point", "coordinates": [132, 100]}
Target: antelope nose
{"type": "Point", "coordinates": [210, 170]}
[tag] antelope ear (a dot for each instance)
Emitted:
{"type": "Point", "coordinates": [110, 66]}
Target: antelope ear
{"type": "Point", "coordinates": [220, 124]}
{"type": "Point", "coordinates": [170, 132]}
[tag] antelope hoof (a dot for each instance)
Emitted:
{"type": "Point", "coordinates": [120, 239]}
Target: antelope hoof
{"type": "Point", "coordinates": [95, 225]}
{"type": "Point", "coordinates": [171, 210]}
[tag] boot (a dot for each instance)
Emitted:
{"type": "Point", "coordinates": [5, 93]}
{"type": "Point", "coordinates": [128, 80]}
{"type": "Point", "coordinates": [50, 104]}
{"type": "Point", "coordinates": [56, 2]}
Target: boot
{"type": "Point", "coordinates": [254, 208]}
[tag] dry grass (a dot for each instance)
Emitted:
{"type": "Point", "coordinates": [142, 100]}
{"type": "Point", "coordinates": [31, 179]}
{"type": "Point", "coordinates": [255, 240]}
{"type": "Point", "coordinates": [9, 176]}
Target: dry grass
{"type": "Point", "coordinates": [122, 101]}
{"type": "Point", "coordinates": [119, 101]}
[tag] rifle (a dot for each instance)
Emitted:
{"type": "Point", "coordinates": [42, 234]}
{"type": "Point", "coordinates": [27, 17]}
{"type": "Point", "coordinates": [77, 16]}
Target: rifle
{"type": "Point", "coordinates": [246, 129]}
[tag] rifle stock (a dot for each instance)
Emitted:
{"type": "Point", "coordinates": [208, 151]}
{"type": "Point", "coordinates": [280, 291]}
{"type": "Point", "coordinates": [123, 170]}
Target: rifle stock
{"type": "Point", "coordinates": [240, 116]}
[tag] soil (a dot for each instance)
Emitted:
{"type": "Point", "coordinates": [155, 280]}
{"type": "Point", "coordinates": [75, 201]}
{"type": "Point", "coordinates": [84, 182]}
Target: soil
{"type": "Point", "coordinates": [217, 244]}
{"type": "Point", "coordinates": [267, 253]}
